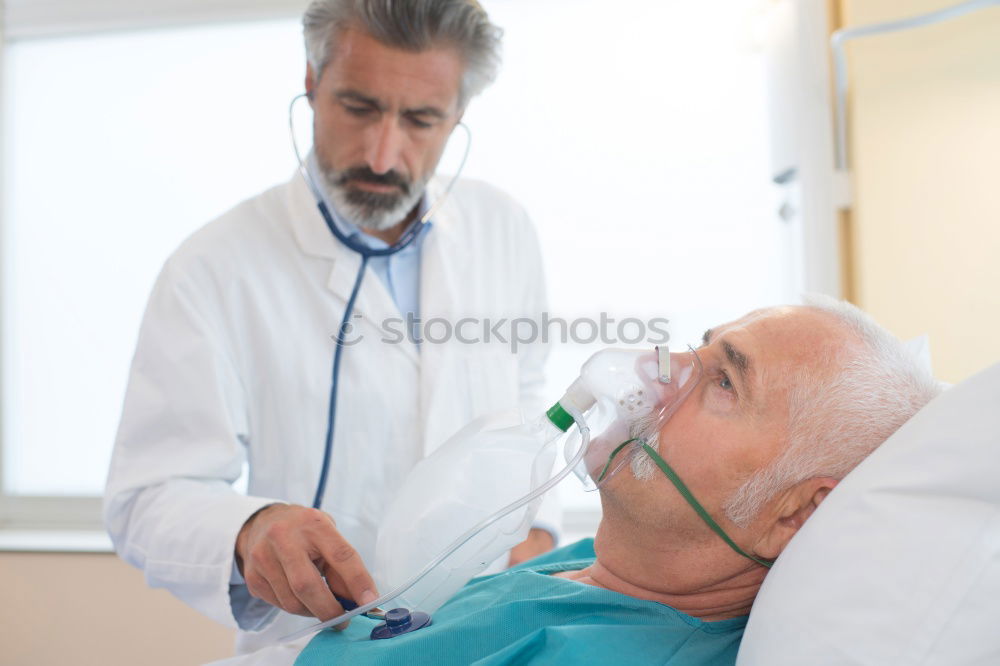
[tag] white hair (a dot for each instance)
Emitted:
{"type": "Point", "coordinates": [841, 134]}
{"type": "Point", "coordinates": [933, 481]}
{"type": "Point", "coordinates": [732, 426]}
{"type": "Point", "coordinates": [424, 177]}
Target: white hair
{"type": "Point", "coordinates": [841, 411]}
{"type": "Point", "coordinates": [410, 25]}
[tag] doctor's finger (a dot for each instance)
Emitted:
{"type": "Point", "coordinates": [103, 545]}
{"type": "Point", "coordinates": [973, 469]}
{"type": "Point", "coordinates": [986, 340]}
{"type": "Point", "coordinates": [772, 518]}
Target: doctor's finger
{"type": "Point", "coordinates": [341, 559]}
{"type": "Point", "coordinates": [260, 588]}
{"type": "Point", "coordinates": [336, 584]}
{"type": "Point", "coordinates": [274, 573]}
{"type": "Point", "coordinates": [339, 590]}
{"type": "Point", "coordinates": [307, 585]}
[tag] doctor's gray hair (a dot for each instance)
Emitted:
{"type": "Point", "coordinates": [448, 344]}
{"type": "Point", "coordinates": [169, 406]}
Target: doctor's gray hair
{"type": "Point", "coordinates": [410, 25]}
{"type": "Point", "coordinates": [840, 413]}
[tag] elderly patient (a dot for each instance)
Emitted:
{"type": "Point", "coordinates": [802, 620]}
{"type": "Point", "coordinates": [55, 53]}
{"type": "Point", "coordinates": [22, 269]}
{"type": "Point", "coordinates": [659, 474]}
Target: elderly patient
{"type": "Point", "coordinates": [790, 400]}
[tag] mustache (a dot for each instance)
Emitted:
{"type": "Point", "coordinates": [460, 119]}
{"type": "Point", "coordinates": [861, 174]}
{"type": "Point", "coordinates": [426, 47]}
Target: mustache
{"type": "Point", "coordinates": [645, 428]}
{"type": "Point", "coordinates": [365, 174]}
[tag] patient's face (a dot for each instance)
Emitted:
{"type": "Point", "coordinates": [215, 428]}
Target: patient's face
{"type": "Point", "coordinates": [734, 422]}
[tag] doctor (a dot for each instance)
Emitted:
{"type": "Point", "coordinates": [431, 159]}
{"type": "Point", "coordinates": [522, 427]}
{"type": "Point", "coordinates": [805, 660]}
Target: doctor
{"type": "Point", "coordinates": [233, 364]}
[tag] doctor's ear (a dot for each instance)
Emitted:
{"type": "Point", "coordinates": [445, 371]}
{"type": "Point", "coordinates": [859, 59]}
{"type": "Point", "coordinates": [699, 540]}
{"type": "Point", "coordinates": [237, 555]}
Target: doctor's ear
{"type": "Point", "coordinates": [310, 84]}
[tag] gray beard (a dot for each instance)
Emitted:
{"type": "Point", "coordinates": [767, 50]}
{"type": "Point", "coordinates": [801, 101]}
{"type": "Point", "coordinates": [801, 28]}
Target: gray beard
{"type": "Point", "coordinates": [374, 211]}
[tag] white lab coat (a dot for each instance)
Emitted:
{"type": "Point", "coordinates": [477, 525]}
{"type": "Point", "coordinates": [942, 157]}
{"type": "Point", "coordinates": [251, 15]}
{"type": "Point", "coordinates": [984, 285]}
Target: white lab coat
{"type": "Point", "coordinates": [233, 366]}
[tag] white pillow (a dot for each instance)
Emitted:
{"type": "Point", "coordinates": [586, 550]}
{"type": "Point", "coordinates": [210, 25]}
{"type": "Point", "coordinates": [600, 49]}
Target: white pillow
{"type": "Point", "coordinates": [900, 565]}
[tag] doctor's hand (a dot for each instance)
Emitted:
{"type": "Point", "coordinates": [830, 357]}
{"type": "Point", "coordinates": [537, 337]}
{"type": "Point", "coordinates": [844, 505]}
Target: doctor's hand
{"type": "Point", "coordinates": [539, 541]}
{"type": "Point", "coordinates": [285, 551]}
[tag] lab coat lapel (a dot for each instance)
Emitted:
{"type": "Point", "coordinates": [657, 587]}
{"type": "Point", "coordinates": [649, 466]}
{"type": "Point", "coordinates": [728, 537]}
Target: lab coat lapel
{"type": "Point", "coordinates": [374, 304]}
{"type": "Point", "coordinates": [443, 383]}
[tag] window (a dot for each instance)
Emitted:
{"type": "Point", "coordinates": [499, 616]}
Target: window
{"type": "Point", "coordinates": [636, 140]}
{"type": "Point", "coordinates": [117, 146]}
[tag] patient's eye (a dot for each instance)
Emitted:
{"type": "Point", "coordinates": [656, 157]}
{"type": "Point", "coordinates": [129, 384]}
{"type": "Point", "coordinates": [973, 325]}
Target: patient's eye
{"type": "Point", "coordinates": [725, 383]}
{"type": "Point", "coordinates": [723, 389]}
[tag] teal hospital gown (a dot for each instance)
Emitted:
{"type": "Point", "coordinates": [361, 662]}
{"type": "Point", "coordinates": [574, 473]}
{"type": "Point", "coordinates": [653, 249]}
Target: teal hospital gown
{"type": "Point", "coordinates": [527, 616]}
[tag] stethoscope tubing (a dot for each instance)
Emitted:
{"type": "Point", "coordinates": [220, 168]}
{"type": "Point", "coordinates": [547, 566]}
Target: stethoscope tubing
{"type": "Point", "coordinates": [366, 253]}
{"type": "Point", "coordinates": [332, 409]}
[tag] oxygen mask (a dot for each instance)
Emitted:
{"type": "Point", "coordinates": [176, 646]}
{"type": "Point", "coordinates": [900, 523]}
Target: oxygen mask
{"type": "Point", "coordinates": [630, 394]}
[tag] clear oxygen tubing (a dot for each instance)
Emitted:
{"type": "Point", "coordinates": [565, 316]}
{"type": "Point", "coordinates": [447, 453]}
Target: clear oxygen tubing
{"type": "Point", "coordinates": [466, 537]}
{"type": "Point", "coordinates": [840, 37]}
{"type": "Point", "coordinates": [366, 253]}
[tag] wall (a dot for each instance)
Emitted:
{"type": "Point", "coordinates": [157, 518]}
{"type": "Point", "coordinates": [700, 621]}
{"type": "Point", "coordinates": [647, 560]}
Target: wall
{"type": "Point", "coordinates": [925, 146]}
{"type": "Point", "coordinates": [93, 609]}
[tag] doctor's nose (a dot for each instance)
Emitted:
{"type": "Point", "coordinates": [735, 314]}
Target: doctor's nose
{"type": "Point", "coordinates": [385, 146]}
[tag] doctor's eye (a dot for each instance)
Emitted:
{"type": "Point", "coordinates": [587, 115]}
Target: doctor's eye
{"type": "Point", "coordinates": [359, 111]}
{"type": "Point", "coordinates": [418, 120]}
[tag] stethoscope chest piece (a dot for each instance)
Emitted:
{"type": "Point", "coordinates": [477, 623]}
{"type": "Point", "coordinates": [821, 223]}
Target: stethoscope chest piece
{"type": "Point", "coordinates": [400, 621]}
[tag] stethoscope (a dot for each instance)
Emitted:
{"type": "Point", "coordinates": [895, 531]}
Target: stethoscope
{"type": "Point", "coordinates": [366, 253]}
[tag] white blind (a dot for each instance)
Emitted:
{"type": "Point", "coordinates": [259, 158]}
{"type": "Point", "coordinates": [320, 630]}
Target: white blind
{"type": "Point", "coordinates": [47, 18]}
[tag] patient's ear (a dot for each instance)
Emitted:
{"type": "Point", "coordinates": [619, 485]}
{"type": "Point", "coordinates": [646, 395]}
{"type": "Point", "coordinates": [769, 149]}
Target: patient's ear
{"type": "Point", "coordinates": [789, 511]}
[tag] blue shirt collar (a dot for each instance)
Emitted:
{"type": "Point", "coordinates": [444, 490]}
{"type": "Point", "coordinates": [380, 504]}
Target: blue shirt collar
{"type": "Point", "coordinates": [350, 229]}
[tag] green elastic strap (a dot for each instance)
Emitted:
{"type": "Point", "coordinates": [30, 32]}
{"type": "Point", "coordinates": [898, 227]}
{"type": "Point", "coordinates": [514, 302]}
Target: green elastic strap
{"type": "Point", "coordinates": [560, 417]}
{"type": "Point", "coordinates": [685, 493]}
{"type": "Point", "coordinates": [618, 448]}
{"type": "Point", "coordinates": [699, 509]}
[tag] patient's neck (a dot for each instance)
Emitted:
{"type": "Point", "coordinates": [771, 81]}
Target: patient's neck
{"type": "Point", "coordinates": [705, 580]}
